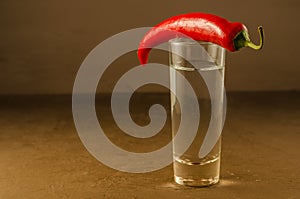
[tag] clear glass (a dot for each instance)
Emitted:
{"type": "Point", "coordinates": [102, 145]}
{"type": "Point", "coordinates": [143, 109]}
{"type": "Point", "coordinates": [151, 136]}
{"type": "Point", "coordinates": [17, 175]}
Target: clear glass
{"type": "Point", "coordinates": [201, 59]}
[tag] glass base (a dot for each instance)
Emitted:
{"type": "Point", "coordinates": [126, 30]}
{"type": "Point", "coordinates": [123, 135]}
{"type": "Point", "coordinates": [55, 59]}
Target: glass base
{"type": "Point", "coordinates": [196, 182]}
{"type": "Point", "coordinates": [197, 174]}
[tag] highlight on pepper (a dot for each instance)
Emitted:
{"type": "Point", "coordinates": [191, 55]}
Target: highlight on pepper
{"type": "Point", "coordinates": [201, 27]}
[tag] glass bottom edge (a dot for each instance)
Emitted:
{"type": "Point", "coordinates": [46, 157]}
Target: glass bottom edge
{"type": "Point", "coordinates": [196, 182]}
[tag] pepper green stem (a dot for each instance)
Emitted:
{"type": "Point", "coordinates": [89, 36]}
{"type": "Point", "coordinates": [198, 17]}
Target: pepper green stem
{"type": "Point", "coordinates": [243, 40]}
{"type": "Point", "coordinates": [261, 40]}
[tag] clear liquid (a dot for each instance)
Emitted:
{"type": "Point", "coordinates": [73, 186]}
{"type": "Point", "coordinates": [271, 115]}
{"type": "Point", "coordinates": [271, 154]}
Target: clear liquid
{"type": "Point", "coordinates": [189, 169]}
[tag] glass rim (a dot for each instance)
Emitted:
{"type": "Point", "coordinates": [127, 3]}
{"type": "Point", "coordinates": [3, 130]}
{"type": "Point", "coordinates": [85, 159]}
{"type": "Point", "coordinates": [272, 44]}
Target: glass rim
{"type": "Point", "coordinates": [189, 41]}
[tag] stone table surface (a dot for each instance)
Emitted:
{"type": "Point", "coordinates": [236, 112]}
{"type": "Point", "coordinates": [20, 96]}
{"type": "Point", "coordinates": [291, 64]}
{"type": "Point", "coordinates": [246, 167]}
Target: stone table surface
{"type": "Point", "coordinates": [42, 156]}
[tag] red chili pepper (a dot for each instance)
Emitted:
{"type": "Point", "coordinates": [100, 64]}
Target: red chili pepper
{"type": "Point", "coordinates": [200, 27]}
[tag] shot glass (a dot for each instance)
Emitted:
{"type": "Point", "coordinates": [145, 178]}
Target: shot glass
{"type": "Point", "coordinates": [202, 64]}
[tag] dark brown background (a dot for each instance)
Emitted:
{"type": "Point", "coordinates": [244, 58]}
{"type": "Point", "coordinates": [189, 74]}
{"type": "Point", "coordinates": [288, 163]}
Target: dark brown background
{"type": "Point", "coordinates": [43, 43]}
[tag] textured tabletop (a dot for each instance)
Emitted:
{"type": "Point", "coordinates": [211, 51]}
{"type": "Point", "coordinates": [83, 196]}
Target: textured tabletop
{"type": "Point", "coordinates": [41, 155]}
